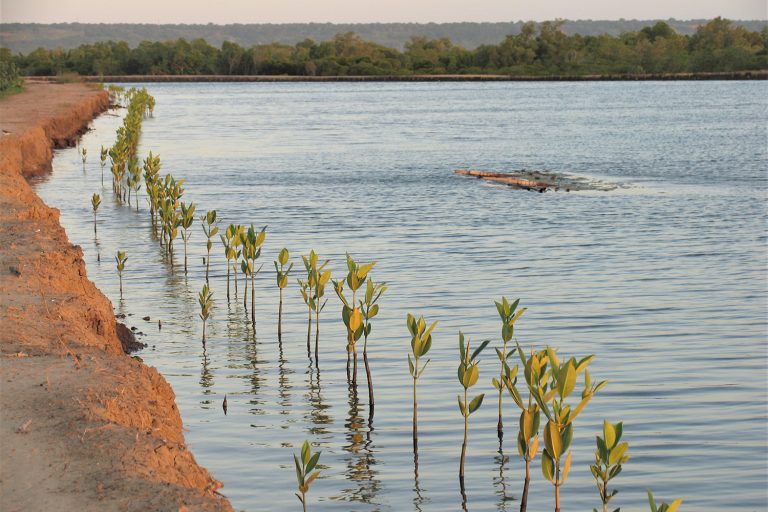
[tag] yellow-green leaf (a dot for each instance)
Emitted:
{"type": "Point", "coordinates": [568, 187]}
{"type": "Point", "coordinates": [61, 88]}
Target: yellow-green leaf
{"type": "Point", "coordinates": [674, 505]}
{"type": "Point", "coordinates": [548, 466]}
{"type": "Point", "coordinates": [552, 440]}
{"type": "Point", "coordinates": [609, 433]}
{"type": "Point", "coordinates": [617, 453]}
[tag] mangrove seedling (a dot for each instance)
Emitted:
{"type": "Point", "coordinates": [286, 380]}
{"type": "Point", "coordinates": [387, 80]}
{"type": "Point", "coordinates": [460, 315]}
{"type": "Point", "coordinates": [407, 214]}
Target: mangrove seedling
{"type": "Point", "coordinates": [120, 259]}
{"type": "Point", "coordinates": [208, 222]}
{"type": "Point", "coordinates": [237, 242]}
{"type": "Point", "coordinates": [282, 281]}
{"type": "Point", "coordinates": [117, 155]}
{"type": "Point", "coordinates": [152, 183]}
{"type": "Point", "coordinates": [252, 242]}
{"type": "Point", "coordinates": [231, 234]}
{"type": "Point", "coordinates": [187, 218]}
{"type": "Point", "coordinates": [317, 279]}
{"type": "Point", "coordinates": [205, 299]}
{"type": "Point", "coordinates": [304, 474]}
{"type": "Point", "coordinates": [167, 208]}
{"type": "Point", "coordinates": [509, 315]}
{"type": "Point", "coordinates": [468, 375]}
{"type": "Point", "coordinates": [421, 342]}
{"type": "Point", "coordinates": [536, 376]}
{"type": "Point", "coordinates": [133, 180]}
{"type": "Point", "coordinates": [558, 431]}
{"type": "Point", "coordinates": [663, 507]}
{"type": "Point", "coordinates": [306, 294]}
{"type": "Point", "coordinates": [369, 308]}
{"type": "Point", "coordinates": [350, 312]}
{"type": "Point", "coordinates": [610, 454]}
{"type": "Point", "coordinates": [84, 154]}
{"type": "Point", "coordinates": [95, 203]}
{"type": "Point", "coordinates": [103, 158]}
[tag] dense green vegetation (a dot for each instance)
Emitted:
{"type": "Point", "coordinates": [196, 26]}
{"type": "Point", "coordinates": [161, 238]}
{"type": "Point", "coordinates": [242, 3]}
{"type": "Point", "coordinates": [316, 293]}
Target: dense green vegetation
{"type": "Point", "coordinates": [10, 81]}
{"type": "Point", "coordinates": [539, 49]}
{"type": "Point", "coordinates": [26, 37]}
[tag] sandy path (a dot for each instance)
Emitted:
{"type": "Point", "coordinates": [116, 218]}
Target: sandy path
{"type": "Point", "coordinates": [82, 425]}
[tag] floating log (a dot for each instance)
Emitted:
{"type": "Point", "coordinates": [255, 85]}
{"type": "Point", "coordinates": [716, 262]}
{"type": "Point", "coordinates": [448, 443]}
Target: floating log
{"type": "Point", "coordinates": [512, 180]}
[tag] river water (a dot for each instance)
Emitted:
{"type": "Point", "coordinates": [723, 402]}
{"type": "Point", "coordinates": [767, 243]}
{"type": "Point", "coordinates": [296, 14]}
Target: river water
{"type": "Point", "coordinates": [664, 279]}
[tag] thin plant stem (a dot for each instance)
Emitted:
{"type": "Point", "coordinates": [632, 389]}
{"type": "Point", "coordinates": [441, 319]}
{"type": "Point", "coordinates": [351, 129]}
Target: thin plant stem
{"type": "Point", "coordinates": [207, 265]}
{"type": "Point", "coordinates": [371, 404]}
{"type": "Point", "coordinates": [466, 428]}
{"type": "Point", "coordinates": [309, 329]}
{"type": "Point", "coordinates": [526, 484]}
{"type": "Point", "coordinates": [280, 318]}
{"type": "Point", "coordinates": [317, 332]}
{"type": "Point", "coordinates": [253, 301]}
{"type": "Point", "coordinates": [415, 408]}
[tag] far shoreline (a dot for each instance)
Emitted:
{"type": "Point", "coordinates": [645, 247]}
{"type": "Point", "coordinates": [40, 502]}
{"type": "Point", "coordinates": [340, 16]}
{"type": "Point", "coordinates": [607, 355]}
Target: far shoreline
{"type": "Point", "coordinates": [761, 74]}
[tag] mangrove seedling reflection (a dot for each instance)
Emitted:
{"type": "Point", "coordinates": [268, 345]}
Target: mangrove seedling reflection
{"type": "Point", "coordinates": [120, 259]}
{"type": "Point", "coordinates": [205, 299]}
{"type": "Point", "coordinates": [208, 222]}
{"type": "Point", "coordinates": [187, 218]}
{"type": "Point", "coordinates": [95, 203]}
{"type": "Point", "coordinates": [663, 507]}
{"type": "Point", "coordinates": [282, 282]}
{"type": "Point", "coordinates": [468, 375]}
{"type": "Point", "coordinates": [610, 454]}
{"type": "Point", "coordinates": [304, 474]}
{"type": "Point", "coordinates": [509, 315]}
{"type": "Point", "coordinates": [421, 342]}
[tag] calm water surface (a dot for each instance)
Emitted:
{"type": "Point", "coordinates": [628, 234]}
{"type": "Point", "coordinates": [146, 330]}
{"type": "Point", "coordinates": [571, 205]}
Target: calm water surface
{"type": "Point", "coordinates": [664, 279]}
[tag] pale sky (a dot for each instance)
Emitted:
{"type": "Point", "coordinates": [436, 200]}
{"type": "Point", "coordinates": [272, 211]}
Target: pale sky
{"type": "Point", "coordinates": [366, 11]}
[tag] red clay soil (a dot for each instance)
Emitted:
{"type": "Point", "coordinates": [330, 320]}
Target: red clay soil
{"type": "Point", "coordinates": [83, 426]}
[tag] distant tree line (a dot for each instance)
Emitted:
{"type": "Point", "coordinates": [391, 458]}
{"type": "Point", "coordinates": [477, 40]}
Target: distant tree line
{"type": "Point", "coordinates": [25, 37]}
{"type": "Point", "coordinates": [539, 49]}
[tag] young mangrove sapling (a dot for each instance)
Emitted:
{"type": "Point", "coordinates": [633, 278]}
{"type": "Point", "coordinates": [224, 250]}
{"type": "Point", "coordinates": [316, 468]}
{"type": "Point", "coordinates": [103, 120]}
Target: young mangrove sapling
{"type": "Point", "coordinates": [187, 218]}
{"type": "Point", "coordinates": [421, 342]}
{"type": "Point", "coordinates": [558, 430]}
{"type": "Point", "coordinates": [282, 282]}
{"type": "Point", "coordinates": [610, 454]}
{"type": "Point", "coordinates": [468, 374]}
{"type": "Point", "coordinates": [509, 315]}
{"type": "Point", "coordinates": [304, 474]}
{"type": "Point", "coordinates": [120, 259]}
{"type": "Point", "coordinates": [95, 203]}
{"type": "Point", "coordinates": [205, 299]}
{"type": "Point", "coordinates": [208, 222]}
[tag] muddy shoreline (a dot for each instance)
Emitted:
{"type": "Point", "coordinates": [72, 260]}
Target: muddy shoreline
{"type": "Point", "coordinates": [761, 74]}
{"type": "Point", "coordinates": [83, 425]}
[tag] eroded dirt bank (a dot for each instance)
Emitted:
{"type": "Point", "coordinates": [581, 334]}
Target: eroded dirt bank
{"type": "Point", "coordinates": [82, 425]}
